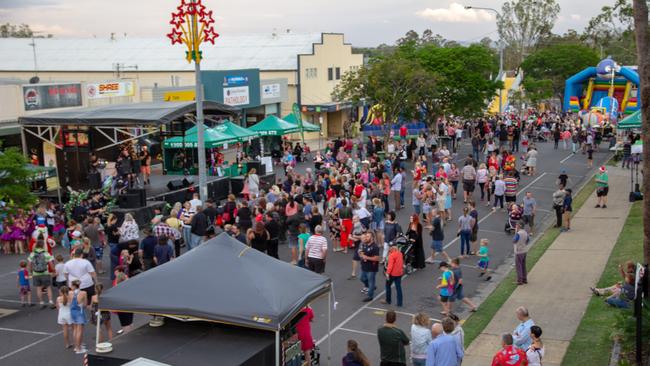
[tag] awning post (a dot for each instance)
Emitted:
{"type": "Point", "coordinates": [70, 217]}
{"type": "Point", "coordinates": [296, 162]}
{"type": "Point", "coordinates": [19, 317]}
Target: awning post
{"type": "Point", "coordinates": [278, 348]}
{"type": "Point", "coordinates": [329, 327]}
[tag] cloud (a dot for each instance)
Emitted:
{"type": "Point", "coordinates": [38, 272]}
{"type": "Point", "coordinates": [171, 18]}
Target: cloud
{"type": "Point", "coordinates": [576, 17]}
{"type": "Point", "coordinates": [17, 4]}
{"type": "Point", "coordinates": [455, 13]}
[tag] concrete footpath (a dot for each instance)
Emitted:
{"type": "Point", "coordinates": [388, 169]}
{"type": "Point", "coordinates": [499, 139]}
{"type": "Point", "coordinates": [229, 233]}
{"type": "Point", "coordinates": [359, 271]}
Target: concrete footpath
{"type": "Point", "coordinates": [557, 293]}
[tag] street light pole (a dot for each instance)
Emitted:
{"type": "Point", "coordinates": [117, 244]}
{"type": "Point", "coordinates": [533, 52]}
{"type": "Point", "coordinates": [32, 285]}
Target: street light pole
{"type": "Point", "coordinates": [192, 25]}
{"type": "Point", "coordinates": [469, 7]}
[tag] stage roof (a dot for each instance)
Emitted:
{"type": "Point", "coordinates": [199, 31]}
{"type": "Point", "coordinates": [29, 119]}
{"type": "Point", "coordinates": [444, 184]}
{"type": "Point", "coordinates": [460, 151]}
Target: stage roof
{"type": "Point", "coordinates": [124, 114]}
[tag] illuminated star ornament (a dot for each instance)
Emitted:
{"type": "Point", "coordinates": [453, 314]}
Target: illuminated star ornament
{"type": "Point", "coordinates": [192, 25]}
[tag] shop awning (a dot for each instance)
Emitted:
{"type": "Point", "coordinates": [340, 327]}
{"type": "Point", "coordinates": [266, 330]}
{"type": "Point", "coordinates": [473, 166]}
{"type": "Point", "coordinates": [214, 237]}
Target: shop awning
{"type": "Point", "coordinates": [231, 129]}
{"type": "Point", "coordinates": [307, 126]}
{"type": "Point", "coordinates": [631, 121]}
{"type": "Point", "coordinates": [274, 126]}
{"type": "Point", "coordinates": [222, 280]}
{"type": "Point", "coordinates": [211, 139]}
{"type": "Point", "coordinates": [124, 114]}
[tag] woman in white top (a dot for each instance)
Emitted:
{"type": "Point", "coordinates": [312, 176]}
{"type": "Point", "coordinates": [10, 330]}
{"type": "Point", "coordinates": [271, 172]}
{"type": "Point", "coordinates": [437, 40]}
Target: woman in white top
{"type": "Point", "coordinates": [129, 229]}
{"type": "Point", "coordinates": [535, 352]}
{"type": "Point", "coordinates": [253, 183]}
{"type": "Point", "coordinates": [531, 160]}
{"type": "Point", "coordinates": [420, 338]}
{"type": "Point", "coordinates": [482, 177]}
{"type": "Point", "coordinates": [64, 318]}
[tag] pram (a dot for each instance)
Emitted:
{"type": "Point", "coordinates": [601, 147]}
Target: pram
{"type": "Point", "coordinates": [514, 217]}
{"type": "Point", "coordinates": [406, 247]}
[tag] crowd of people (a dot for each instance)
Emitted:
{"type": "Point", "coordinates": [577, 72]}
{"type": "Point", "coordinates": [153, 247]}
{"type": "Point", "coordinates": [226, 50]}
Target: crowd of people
{"type": "Point", "coordinates": [347, 203]}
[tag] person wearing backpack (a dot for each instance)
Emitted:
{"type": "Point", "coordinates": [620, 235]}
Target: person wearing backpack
{"type": "Point", "coordinates": [39, 266]}
{"type": "Point", "coordinates": [446, 287]}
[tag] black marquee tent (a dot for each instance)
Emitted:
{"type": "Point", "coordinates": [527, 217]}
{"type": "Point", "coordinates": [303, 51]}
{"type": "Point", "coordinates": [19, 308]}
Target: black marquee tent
{"type": "Point", "coordinates": [222, 281]}
{"type": "Point", "coordinates": [155, 113]}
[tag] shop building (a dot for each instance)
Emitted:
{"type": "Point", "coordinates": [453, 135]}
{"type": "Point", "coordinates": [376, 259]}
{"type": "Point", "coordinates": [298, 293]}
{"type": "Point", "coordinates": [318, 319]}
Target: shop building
{"type": "Point", "coordinates": [312, 64]}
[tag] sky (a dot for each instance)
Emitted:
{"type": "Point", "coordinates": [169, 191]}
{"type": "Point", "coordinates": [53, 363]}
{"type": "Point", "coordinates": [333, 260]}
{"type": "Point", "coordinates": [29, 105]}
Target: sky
{"type": "Point", "coordinates": [364, 22]}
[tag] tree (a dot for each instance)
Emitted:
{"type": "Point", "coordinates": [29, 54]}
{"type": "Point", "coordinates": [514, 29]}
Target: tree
{"type": "Point", "coordinates": [642, 34]}
{"type": "Point", "coordinates": [547, 69]}
{"type": "Point", "coordinates": [612, 32]}
{"type": "Point", "coordinates": [14, 180]}
{"type": "Point", "coordinates": [392, 83]}
{"type": "Point", "coordinates": [463, 86]}
{"type": "Point", "coordinates": [523, 22]}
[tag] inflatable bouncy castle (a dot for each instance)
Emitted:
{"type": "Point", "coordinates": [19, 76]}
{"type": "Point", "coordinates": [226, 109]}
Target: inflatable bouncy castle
{"type": "Point", "coordinates": [607, 89]}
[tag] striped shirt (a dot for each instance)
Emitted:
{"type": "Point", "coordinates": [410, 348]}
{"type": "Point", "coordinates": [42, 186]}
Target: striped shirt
{"type": "Point", "coordinates": [316, 245]}
{"type": "Point", "coordinates": [511, 186]}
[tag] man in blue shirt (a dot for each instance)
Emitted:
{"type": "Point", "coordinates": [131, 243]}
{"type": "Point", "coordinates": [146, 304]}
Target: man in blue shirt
{"type": "Point", "coordinates": [521, 334]}
{"type": "Point", "coordinates": [445, 349]}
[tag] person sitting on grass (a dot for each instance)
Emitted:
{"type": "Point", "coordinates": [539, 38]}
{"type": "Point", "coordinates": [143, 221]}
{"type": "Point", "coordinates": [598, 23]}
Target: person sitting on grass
{"type": "Point", "coordinates": [625, 295]}
{"type": "Point", "coordinates": [624, 269]}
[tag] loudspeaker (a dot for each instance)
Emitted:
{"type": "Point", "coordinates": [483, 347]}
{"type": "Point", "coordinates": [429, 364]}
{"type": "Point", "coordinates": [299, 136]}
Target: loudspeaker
{"type": "Point", "coordinates": [125, 167]}
{"type": "Point", "coordinates": [175, 184]}
{"type": "Point", "coordinates": [94, 180]}
{"type": "Point", "coordinates": [129, 200]}
{"type": "Point", "coordinates": [236, 185]}
{"type": "Point", "coordinates": [187, 182]}
{"type": "Point", "coordinates": [142, 195]}
{"type": "Point", "coordinates": [257, 165]}
{"type": "Point", "coordinates": [136, 166]}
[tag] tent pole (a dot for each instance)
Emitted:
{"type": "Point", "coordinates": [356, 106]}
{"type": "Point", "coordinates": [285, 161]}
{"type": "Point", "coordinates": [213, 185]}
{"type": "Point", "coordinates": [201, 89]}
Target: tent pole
{"type": "Point", "coordinates": [278, 348]}
{"type": "Point", "coordinates": [329, 327]}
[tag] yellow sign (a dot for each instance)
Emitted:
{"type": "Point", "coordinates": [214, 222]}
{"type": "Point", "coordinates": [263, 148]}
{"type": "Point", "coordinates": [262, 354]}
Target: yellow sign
{"type": "Point", "coordinates": [179, 96]}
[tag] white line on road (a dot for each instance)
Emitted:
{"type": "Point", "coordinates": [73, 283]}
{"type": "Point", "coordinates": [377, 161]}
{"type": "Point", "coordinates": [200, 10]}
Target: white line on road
{"type": "Point", "coordinates": [358, 331]}
{"type": "Point", "coordinates": [567, 158]}
{"type": "Point", "coordinates": [12, 301]}
{"type": "Point", "coordinates": [400, 312]}
{"type": "Point", "coordinates": [29, 345]}
{"type": "Point", "coordinates": [25, 331]}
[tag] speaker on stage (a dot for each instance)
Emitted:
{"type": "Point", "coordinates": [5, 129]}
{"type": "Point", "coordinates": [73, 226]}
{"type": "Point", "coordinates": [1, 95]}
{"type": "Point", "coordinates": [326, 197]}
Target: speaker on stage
{"type": "Point", "coordinates": [176, 184]}
{"type": "Point", "coordinates": [94, 180]}
{"type": "Point", "coordinates": [187, 182]}
{"type": "Point", "coordinates": [142, 195]}
{"type": "Point", "coordinates": [129, 200]}
{"type": "Point", "coordinates": [136, 166]}
{"type": "Point", "coordinates": [257, 165]}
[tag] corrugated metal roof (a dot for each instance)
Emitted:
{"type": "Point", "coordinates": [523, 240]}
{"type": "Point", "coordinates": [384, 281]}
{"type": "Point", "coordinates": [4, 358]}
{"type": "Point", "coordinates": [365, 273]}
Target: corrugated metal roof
{"type": "Point", "coordinates": [261, 51]}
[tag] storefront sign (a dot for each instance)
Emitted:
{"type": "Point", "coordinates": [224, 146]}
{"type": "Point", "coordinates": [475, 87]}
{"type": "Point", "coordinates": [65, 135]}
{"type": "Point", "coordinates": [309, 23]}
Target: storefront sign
{"type": "Point", "coordinates": [270, 91]}
{"type": "Point", "coordinates": [236, 96]}
{"type": "Point", "coordinates": [179, 96]}
{"type": "Point", "coordinates": [36, 97]}
{"type": "Point", "coordinates": [235, 80]}
{"type": "Point", "coordinates": [110, 89]}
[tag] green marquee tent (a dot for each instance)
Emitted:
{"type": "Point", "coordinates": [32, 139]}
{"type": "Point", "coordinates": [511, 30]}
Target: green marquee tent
{"type": "Point", "coordinates": [211, 137]}
{"type": "Point", "coordinates": [274, 126]}
{"type": "Point", "coordinates": [631, 121]}
{"type": "Point", "coordinates": [233, 130]}
{"type": "Point", "coordinates": [307, 126]}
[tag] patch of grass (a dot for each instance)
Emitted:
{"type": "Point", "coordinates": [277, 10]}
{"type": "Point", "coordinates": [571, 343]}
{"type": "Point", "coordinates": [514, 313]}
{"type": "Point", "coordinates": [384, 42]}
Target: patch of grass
{"type": "Point", "coordinates": [475, 324]}
{"type": "Point", "coordinates": [592, 344]}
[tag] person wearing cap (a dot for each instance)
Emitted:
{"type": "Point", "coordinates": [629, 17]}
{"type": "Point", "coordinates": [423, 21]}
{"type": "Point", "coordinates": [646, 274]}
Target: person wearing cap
{"type": "Point", "coordinates": [446, 286]}
{"type": "Point", "coordinates": [602, 187]}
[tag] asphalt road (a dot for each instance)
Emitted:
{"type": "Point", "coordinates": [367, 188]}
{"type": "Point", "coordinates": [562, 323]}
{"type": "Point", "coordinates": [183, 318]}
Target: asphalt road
{"type": "Point", "coordinates": [31, 336]}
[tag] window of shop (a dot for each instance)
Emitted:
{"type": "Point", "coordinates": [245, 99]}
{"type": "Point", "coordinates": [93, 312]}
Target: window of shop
{"type": "Point", "coordinates": [330, 73]}
{"type": "Point", "coordinates": [338, 73]}
{"type": "Point", "coordinates": [311, 73]}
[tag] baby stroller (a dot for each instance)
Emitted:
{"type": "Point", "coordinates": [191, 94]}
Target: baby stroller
{"type": "Point", "coordinates": [514, 217]}
{"type": "Point", "coordinates": [406, 247]}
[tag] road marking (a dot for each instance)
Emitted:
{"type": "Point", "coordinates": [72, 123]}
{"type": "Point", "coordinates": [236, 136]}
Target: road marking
{"type": "Point", "coordinates": [12, 301]}
{"type": "Point", "coordinates": [25, 331]}
{"type": "Point", "coordinates": [30, 345]}
{"type": "Point", "coordinates": [567, 158]}
{"type": "Point", "coordinates": [523, 190]}
{"type": "Point", "coordinates": [358, 331]}
{"type": "Point", "coordinates": [400, 312]}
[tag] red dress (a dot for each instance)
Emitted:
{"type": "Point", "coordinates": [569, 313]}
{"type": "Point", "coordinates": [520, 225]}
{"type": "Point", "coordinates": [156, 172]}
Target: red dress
{"type": "Point", "coordinates": [303, 328]}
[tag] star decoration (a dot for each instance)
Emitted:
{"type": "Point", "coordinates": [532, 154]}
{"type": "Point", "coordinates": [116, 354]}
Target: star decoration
{"type": "Point", "coordinates": [206, 18]}
{"type": "Point", "coordinates": [209, 35]}
{"type": "Point", "coordinates": [177, 19]}
{"type": "Point", "coordinates": [175, 36]}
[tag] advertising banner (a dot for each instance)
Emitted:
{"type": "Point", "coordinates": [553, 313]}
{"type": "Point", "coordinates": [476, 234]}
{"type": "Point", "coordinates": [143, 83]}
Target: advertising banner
{"type": "Point", "coordinates": [110, 89]}
{"type": "Point", "coordinates": [270, 91]}
{"type": "Point", "coordinates": [36, 97]}
{"type": "Point", "coordinates": [235, 96]}
{"type": "Point", "coordinates": [179, 96]}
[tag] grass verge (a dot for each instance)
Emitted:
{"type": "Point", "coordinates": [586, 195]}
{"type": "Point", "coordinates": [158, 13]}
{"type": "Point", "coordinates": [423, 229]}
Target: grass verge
{"type": "Point", "coordinates": [592, 344]}
{"type": "Point", "coordinates": [475, 324]}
